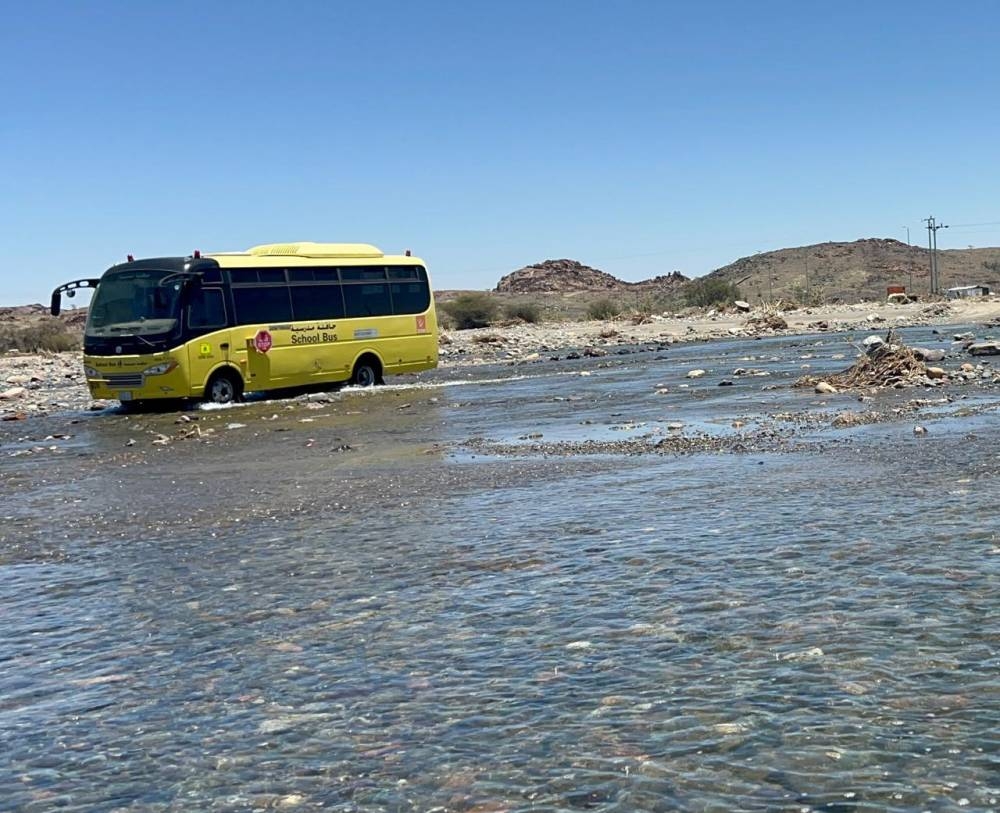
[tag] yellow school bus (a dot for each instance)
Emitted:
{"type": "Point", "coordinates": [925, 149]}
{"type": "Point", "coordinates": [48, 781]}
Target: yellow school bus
{"type": "Point", "coordinates": [216, 326]}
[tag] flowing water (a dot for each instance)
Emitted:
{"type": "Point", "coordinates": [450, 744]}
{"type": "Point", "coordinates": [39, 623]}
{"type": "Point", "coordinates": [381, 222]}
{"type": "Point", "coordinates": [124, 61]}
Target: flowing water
{"type": "Point", "coordinates": [348, 606]}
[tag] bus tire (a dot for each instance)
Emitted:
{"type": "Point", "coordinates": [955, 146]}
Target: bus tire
{"type": "Point", "coordinates": [224, 387]}
{"type": "Point", "coordinates": [367, 371]}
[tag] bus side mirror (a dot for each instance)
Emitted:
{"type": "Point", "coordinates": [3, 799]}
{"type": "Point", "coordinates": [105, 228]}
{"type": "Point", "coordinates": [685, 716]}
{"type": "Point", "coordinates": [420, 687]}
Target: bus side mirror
{"type": "Point", "coordinates": [56, 303]}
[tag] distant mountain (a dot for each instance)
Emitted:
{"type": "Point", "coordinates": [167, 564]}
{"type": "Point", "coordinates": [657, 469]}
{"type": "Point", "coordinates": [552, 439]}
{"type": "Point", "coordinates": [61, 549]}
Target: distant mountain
{"type": "Point", "coordinates": [567, 276]}
{"type": "Point", "coordinates": [827, 272]}
{"type": "Point", "coordinates": [863, 269]}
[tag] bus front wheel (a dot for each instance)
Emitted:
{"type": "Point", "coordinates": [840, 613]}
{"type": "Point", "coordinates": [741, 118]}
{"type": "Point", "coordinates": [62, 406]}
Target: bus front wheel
{"type": "Point", "coordinates": [225, 387]}
{"type": "Point", "coordinates": [367, 372]}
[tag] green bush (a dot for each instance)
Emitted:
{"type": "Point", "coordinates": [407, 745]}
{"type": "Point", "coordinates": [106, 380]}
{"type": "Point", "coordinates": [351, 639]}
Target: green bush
{"type": "Point", "coordinates": [603, 309]}
{"type": "Point", "coordinates": [49, 335]}
{"type": "Point", "coordinates": [472, 310]}
{"type": "Point", "coordinates": [708, 292]}
{"type": "Point", "coordinates": [525, 311]}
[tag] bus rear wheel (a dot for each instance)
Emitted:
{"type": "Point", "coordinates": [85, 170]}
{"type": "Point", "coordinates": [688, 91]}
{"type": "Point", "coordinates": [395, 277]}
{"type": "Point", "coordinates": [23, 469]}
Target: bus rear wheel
{"type": "Point", "coordinates": [367, 372]}
{"type": "Point", "coordinates": [225, 387]}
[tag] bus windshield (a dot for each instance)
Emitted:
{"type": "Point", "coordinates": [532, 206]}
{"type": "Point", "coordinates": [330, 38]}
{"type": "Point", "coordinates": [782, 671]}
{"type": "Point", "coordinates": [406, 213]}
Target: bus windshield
{"type": "Point", "coordinates": [135, 302]}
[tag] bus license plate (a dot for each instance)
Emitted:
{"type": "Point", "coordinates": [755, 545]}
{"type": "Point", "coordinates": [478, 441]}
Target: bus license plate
{"type": "Point", "coordinates": [124, 396]}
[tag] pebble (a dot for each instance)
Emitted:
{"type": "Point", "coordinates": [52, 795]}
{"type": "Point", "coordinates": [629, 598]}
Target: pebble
{"type": "Point", "coordinates": [277, 725]}
{"type": "Point", "coordinates": [814, 653]}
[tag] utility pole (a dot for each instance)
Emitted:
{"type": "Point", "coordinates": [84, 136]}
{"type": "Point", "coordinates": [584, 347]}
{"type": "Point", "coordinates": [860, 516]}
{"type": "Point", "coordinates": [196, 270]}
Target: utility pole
{"type": "Point", "coordinates": [907, 234]}
{"type": "Point", "coordinates": [932, 227]}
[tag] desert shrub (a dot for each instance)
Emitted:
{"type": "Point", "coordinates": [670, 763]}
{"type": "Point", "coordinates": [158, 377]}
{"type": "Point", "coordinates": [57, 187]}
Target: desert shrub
{"type": "Point", "coordinates": [710, 291]}
{"type": "Point", "coordinates": [49, 335]}
{"type": "Point", "coordinates": [525, 311]}
{"type": "Point", "coordinates": [603, 309]}
{"type": "Point", "coordinates": [808, 297]}
{"type": "Point", "coordinates": [471, 310]}
{"type": "Point", "coordinates": [646, 307]}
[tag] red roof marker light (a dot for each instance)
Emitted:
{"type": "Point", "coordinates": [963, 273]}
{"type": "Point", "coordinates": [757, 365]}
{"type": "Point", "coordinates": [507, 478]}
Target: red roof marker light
{"type": "Point", "coordinates": [197, 254]}
{"type": "Point", "coordinates": [130, 259]}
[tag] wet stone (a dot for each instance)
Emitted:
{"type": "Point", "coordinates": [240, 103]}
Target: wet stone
{"type": "Point", "coordinates": [984, 349]}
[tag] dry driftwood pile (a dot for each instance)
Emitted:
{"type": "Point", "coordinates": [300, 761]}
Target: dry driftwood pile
{"type": "Point", "coordinates": [767, 318]}
{"type": "Point", "coordinates": [888, 363]}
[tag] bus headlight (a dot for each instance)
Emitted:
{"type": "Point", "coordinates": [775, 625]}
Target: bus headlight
{"type": "Point", "coordinates": [90, 372]}
{"type": "Point", "coordinates": [160, 369]}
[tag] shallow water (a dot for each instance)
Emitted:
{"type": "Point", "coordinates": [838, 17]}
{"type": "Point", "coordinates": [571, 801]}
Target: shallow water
{"type": "Point", "coordinates": [269, 620]}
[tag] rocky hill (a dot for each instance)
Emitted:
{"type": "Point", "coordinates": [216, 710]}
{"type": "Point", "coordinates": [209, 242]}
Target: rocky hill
{"type": "Point", "coordinates": [825, 272]}
{"type": "Point", "coordinates": [558, 276]}
{"type": "Point", "coordinates": [862, 269]}
{"type": "Point", "coordinates": [568, 276]}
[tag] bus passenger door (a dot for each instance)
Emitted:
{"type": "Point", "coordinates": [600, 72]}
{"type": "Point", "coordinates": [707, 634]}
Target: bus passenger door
{"type": "Point", "coordinates": [206, 315]}
{"type": "Point", "coordinates": [256, 350]}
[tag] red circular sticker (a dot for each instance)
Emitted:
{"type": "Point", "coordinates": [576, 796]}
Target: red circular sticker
{"type": "Point", "coordinates": [262, 341]}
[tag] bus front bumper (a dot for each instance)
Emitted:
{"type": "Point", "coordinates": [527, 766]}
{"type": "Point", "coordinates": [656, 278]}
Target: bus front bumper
{"type": "Point", "coordinates": [136, 382]}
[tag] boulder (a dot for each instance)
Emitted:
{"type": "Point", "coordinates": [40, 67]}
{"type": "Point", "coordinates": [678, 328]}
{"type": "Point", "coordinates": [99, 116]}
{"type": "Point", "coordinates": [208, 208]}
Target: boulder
{"type": "Point", "coordinates": [924, 354]}
{"type": "Point", "coordinates": [984, 349]}
{"type": "Point", "coordinates": [824, 388]}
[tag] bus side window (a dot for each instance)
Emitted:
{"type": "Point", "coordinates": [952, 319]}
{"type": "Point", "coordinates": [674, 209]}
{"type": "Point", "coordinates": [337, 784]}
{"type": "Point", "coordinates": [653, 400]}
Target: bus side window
{"type": "Point", "coordinates": [367, 300]}
{"type": "Point", "coordinates": [207, 308]}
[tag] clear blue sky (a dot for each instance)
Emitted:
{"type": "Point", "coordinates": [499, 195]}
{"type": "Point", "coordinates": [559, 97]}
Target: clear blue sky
{"type": "Point", "coordinates": [639, 137]}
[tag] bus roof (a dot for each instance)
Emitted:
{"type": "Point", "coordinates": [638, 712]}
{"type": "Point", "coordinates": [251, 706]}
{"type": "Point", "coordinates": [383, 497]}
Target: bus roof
{"type": "Point", "coordinates": [305, 252]}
